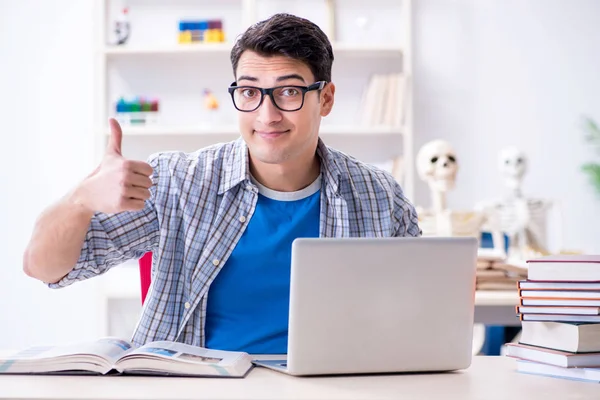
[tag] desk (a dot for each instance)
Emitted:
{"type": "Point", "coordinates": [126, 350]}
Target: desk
{"type": "Point", "coordinates": [487, 378]}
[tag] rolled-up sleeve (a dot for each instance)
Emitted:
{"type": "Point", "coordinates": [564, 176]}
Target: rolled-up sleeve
{"type": "Point", "coordinates": [406, 215]}
{"type": "Point", "coordinates": [112, 239]}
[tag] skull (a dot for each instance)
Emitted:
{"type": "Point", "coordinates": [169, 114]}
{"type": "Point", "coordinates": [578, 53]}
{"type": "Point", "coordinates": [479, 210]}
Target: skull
{"type": "Point", "coordinates": [437, 165]}
{"type": "Point", "coordinates": [512, 163]}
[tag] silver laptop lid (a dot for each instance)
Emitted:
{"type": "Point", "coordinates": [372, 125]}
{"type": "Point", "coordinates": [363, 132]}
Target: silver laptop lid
{"type": "Point", "coordinates": [360, 305]}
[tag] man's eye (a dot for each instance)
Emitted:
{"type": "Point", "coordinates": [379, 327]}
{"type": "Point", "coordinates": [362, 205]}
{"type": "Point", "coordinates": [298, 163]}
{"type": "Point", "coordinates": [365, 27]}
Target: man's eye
{"type": "Point", "coordinates": [290, 92]}
{"type": "Point", "coordinates": [249, 93]}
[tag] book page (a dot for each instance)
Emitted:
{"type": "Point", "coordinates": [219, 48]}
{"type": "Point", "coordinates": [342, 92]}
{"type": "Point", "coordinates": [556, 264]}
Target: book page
{"type": "Point", "coordinates": [187, 353]}
{"type": "Point", "coordinates": [107, 348]}
{"type": "Point", "coordinates": [171, 358]}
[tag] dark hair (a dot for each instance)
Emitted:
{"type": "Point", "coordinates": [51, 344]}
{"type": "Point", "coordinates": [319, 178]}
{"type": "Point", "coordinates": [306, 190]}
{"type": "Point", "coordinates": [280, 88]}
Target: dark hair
{"type": "Point", "coordinates": [290, 36]}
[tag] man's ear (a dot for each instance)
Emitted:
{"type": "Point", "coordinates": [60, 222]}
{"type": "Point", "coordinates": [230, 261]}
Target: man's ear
{"type": "Point", "coordinates": [327, 99]}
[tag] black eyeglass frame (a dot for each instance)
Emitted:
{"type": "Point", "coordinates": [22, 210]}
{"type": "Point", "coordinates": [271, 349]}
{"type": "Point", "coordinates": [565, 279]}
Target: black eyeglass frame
{"type": "Point", "coordinates": [319, 85]}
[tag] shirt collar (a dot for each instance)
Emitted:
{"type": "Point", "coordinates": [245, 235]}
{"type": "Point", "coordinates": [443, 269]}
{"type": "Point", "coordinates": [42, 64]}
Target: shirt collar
{"type": "Point", "coordinates": [236, 166]}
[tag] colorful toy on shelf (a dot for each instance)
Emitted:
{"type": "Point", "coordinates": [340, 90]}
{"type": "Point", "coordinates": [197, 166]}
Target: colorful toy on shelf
{"type": "Point", "coordinates": [210, 100]}
{"type": "Point", "coordinates": [137, 111]}
{"type": "Point", "coordinates": [203, 31]}
{"type": "Point", "coordinates": [122, 27]}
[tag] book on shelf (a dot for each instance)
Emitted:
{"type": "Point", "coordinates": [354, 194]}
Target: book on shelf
{"type": "Point", "coordinates": [559, 358]}
{"type": "Point", "coordinates": [113, 356]}
{"type": "Point", "coordinates": [565, 267]}
{"type": "Point", "coordinates": [383, 101]}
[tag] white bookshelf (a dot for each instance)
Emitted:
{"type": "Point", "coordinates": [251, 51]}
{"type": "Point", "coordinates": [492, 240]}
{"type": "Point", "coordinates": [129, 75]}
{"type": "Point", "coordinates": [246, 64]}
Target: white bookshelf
{"type": "Point", "coordinates": [153, 64]}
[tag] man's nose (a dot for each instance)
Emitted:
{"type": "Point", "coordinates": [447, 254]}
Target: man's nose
{"type": "Point", "coordinates": [268, 112]}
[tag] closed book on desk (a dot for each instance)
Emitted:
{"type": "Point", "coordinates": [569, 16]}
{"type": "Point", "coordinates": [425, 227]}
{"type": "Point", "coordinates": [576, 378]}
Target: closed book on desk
{"type": "Point", "coordinates": [116, 356]}
{"type": "Point", "coordinates": [565, 336]}
{"type": "Point", "coordinates": [565, 267]}
{"type": "Point", "coordinates": [578, 374]}
{"type": "Point", "coordinates": [553, 357]}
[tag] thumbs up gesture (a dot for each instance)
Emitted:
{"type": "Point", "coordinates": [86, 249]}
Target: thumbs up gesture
{"type": "Point", "coordinates": [117, 184]}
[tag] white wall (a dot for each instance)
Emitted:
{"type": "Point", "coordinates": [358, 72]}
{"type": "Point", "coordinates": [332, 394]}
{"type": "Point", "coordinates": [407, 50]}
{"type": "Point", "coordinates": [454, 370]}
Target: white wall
{"type": "Point", "coordinates": [488, 73]}
{"type": "Point", "coordinates": [491, 73]}
{"type": "Point", "coordinates": [46, 78]}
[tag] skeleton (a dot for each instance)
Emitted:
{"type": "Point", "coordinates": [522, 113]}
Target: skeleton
{"type": "Point", "coordinates": [512, 164]}
{"type": "Point", "coordinates": [523, 219]}
{"type": "Point", "coordinates": [437, 165]}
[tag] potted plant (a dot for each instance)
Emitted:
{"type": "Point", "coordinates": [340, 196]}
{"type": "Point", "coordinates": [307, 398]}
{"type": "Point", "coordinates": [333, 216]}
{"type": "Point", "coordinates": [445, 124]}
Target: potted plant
{"type": "Point", "coordinates": [592, 169]}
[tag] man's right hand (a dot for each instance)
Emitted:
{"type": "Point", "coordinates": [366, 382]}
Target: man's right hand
{"type": "Point", "coordinates": [117, 184]}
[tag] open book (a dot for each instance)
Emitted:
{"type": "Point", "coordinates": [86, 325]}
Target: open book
{"type": "Point", "coordinates": [116, 356]}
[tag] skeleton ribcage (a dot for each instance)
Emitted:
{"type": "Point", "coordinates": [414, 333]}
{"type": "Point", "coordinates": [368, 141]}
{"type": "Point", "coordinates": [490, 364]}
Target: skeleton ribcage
{"type": "Point", "coordinates": [529, 215]}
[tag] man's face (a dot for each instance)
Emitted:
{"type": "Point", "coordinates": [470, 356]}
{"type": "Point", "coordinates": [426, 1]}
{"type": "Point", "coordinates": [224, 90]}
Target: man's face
{"type": "Point", "coordinates": [274, 136]}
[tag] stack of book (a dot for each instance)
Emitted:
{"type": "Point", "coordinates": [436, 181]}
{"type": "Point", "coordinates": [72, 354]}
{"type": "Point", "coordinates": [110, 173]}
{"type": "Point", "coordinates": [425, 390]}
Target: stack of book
{"type": "Point", "coordinates": [559, 309]}
{"type": "Point", "coordinates": [495, 273]}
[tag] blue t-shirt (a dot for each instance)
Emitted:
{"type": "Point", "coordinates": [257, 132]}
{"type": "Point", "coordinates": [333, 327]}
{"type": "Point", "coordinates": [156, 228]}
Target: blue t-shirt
{"type": "Point", "coordinates": [248, 301]}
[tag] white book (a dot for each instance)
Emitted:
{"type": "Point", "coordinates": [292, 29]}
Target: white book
{"type": "Point", "coordinates": [553, 357]}
{"type": "Point", "coordinates": [580, 374]}
{"type": "Point", "coordinates": [559, 285]}
{"type": "Point", "coordinates": [561, 318]}
{"type": "Point", "coordinates": [565, 267]}
{"type": "Point", "coordinates": [400, 105]}
{"type": "Point", "coordinates": [560, 294]}
{"type": "Point", "coordinates": [560, 302]}
{"type": "Point", "coordinates": [381, 90]}
{"type": "Point", "coordinates": [564, 336]}
{"type": "Point", "coordinates": [117, 356]}
{"type": "Point", "coordinates": [558, 310]}
{"type": "Point", "coordinates": [390, 106]}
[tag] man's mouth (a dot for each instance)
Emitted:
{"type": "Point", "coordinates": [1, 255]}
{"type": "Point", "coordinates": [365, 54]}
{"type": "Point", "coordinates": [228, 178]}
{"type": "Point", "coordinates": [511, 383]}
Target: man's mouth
{"type": "Point", "coordinates": [271, 134]}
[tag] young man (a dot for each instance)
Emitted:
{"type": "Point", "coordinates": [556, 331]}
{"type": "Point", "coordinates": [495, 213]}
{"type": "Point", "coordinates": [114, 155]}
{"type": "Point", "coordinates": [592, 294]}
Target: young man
{"type": "Point", "coordinates": [220, 221]}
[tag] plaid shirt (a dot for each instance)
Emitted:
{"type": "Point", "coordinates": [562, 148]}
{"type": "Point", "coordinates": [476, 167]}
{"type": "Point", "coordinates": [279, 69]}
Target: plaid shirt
{"type": "Point", "coordinates": [200, 204]}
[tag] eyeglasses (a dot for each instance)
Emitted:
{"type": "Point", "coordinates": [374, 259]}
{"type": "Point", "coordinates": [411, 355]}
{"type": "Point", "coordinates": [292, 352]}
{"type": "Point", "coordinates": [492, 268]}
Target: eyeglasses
{"type": "Point", "coordinates": [285, 98]}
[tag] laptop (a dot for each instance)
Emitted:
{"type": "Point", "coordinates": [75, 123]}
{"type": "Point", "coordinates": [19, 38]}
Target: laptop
{"type": "Point", "coordinates": [379, 305]}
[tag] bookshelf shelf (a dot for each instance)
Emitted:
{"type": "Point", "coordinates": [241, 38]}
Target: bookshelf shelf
{"type": "Point", "coordinates": [340, 49]}
{"type": "Point", "coordinates": [233, 130]}
{"type": "Point", "coordinates": [204, 48]}
{"type": "Point", "coordinates": [370, 144]}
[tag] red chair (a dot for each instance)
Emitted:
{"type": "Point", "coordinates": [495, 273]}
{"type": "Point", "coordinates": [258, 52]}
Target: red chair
{"type": "Point", "coordinates": [145, 273]}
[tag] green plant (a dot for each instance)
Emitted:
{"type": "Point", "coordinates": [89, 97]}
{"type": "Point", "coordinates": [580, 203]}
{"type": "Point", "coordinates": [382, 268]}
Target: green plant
{"type": "Point", "coordinates": [593, 136]}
